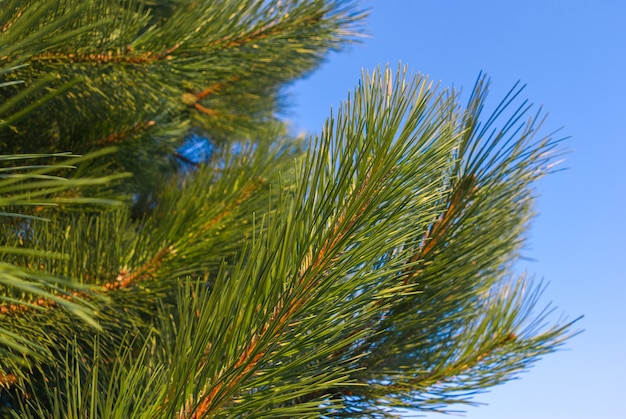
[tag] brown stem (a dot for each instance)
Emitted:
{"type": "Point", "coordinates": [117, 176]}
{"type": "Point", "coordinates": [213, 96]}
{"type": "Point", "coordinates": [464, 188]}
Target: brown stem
{"type": "Point", "coordinates": [118, 136]}
{"type": "Point", "coordinates": [193, 99]}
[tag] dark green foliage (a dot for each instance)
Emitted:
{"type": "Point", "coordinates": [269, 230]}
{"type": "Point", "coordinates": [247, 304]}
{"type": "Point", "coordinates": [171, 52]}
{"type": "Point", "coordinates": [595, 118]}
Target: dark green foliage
{"type": "Point", "coordinates": [364, 270]}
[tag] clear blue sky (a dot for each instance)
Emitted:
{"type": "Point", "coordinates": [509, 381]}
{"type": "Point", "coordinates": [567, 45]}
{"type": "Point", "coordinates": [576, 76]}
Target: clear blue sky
{"type": "Point", "coordinates": [572, 56]}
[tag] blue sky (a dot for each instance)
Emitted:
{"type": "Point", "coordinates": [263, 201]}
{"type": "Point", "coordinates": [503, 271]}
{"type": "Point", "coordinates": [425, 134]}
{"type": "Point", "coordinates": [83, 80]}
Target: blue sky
{"type": "Point", "coordinates": [572, 56]}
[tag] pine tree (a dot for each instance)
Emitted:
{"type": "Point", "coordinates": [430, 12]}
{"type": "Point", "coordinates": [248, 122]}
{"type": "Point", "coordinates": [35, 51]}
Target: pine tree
{"type": "Point", "coordinates": [170, 250]}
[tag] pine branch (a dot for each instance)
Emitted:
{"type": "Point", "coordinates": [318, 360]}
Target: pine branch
{"type": "Point", "coordinates": [127, 278]}
{"type": "Point", "coordinates": [436, 234]}
{"type": "Point", "coordinates": [120, 136]}
{"type": "Point", "coordinates": [106, 57]}
{"type": "Point", "coordinates": [370, 271]}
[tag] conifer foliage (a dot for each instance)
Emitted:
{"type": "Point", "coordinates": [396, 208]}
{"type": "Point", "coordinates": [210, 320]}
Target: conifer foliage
{"type": "Point", "coordinates": [170, 251]}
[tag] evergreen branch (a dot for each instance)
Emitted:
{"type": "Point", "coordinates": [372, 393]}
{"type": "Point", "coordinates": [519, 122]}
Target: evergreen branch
{"type": "Point", "coordinates": [282, 314]}
{"type": "Point", "coordinates": [461, 366]}
{"type": "Point", "coordinates": [126, 277]}
{"type": "Point", "coordinates": [374, 277]}
{"type": "Point", "coordinates": [27, 289]}
{"type": "Point", "coordinates": [460, 195]}
{"type": "Point", "coordinates": [250, 357]}
{"type": "Point", "coordinates": [119, 136]}
{"type": "Point", "coordinates": [40, 38]}
{"type": "Point", "coordinates": [246, 192]}
{"type": "Point", "coordinates": [435, 235]}
{"type": "Point", "coordinates": [149, 270]}
{"type": "Point", "coordinates": [42, 303]}
{"type": "Point", "coordinates": [449, 226]}
{"type": "Point", "coordinates": [262, 33]}
{"type": "Point", "coordinates": [313, 271]}
{"type": "Point", "coordinates": [107, 57]}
